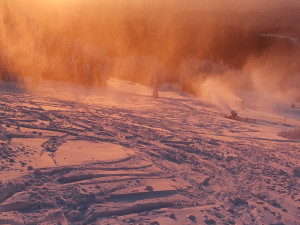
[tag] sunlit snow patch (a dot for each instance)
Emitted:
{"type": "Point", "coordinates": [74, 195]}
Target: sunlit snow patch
{"type": "Point", "coordinates": [81, 152]}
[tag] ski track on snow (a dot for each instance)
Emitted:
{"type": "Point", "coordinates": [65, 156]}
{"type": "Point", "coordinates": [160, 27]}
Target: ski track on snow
{"type": "Point", "coordinates": [190, 164]}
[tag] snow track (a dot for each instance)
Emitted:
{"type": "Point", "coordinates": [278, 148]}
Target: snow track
{"type": "Point", "coordinates": [172, 160]}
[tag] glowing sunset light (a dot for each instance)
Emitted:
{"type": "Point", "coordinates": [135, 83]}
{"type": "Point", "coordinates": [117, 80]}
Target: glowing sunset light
{"type": "Point", "coordinates": [159, 112]}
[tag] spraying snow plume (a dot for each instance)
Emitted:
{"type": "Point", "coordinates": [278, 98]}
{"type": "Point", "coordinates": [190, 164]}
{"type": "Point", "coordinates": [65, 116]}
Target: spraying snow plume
{"type": "Point", "coordinates": [86, 42]}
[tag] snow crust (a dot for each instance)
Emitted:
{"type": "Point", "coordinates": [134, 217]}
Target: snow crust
{"type": "Point", "coordinates": [115, 155]}
{"type": "Point", "coordinates": [80, 152]}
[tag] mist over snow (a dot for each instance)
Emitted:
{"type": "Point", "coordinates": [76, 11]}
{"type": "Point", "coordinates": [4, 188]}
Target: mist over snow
{"type": "Point", "coordinates": [149, 112]}
{"type": "Point", "coordinates": [86, 42]}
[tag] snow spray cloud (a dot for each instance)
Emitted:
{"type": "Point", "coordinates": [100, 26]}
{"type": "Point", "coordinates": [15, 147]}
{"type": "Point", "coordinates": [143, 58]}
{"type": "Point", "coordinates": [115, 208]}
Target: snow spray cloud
{"type": "Point", "coordinates": [274, 76]}
{"type": "Point", "coordinates": [76, 40]}
{"type": "Point", "coordinates": [85, 41]}
{"type": "Point", "coordinates": [30, 46]}
{"type": "Point", "coordinates": [210, 80]}
{"type": "Point", "coordinates": [275, 72]}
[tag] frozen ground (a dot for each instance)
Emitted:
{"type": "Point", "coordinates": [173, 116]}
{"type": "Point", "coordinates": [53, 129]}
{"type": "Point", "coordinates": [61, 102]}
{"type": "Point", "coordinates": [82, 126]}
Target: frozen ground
{"type": "Point", "coordinates": [118, 156]}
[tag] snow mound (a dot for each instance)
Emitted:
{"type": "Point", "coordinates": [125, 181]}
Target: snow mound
{"type": "Point", "coordinates": [82, 152]}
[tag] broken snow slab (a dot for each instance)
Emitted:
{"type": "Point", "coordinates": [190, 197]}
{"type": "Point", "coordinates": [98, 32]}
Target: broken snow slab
{"type": "Point", "coordinates": [99, 211]}
{"type": "Point", "coordinates": [18, 131]}
{"type": "Point", "coordinates": [148, 190]}
{"type": "Point", "coordinates": [156, 185]}
{"type": "Point", "coordinates": [24, 153]}
{"type": "Point", "coordinates": [34, 154]}
{"type": "Point", "coordinates": [11, 218]}
{"type": "Point", "coordinates": [82, 152]}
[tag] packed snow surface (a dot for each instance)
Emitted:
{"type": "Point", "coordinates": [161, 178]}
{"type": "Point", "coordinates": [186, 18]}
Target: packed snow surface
{"type": "Point", "coordinates": [115, 155]}
{"type": "Point", "coordinates": [80, 152]}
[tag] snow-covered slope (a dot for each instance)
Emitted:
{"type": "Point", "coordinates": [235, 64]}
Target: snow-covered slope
{"type": "Point", "coordinates": [115, 155]}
